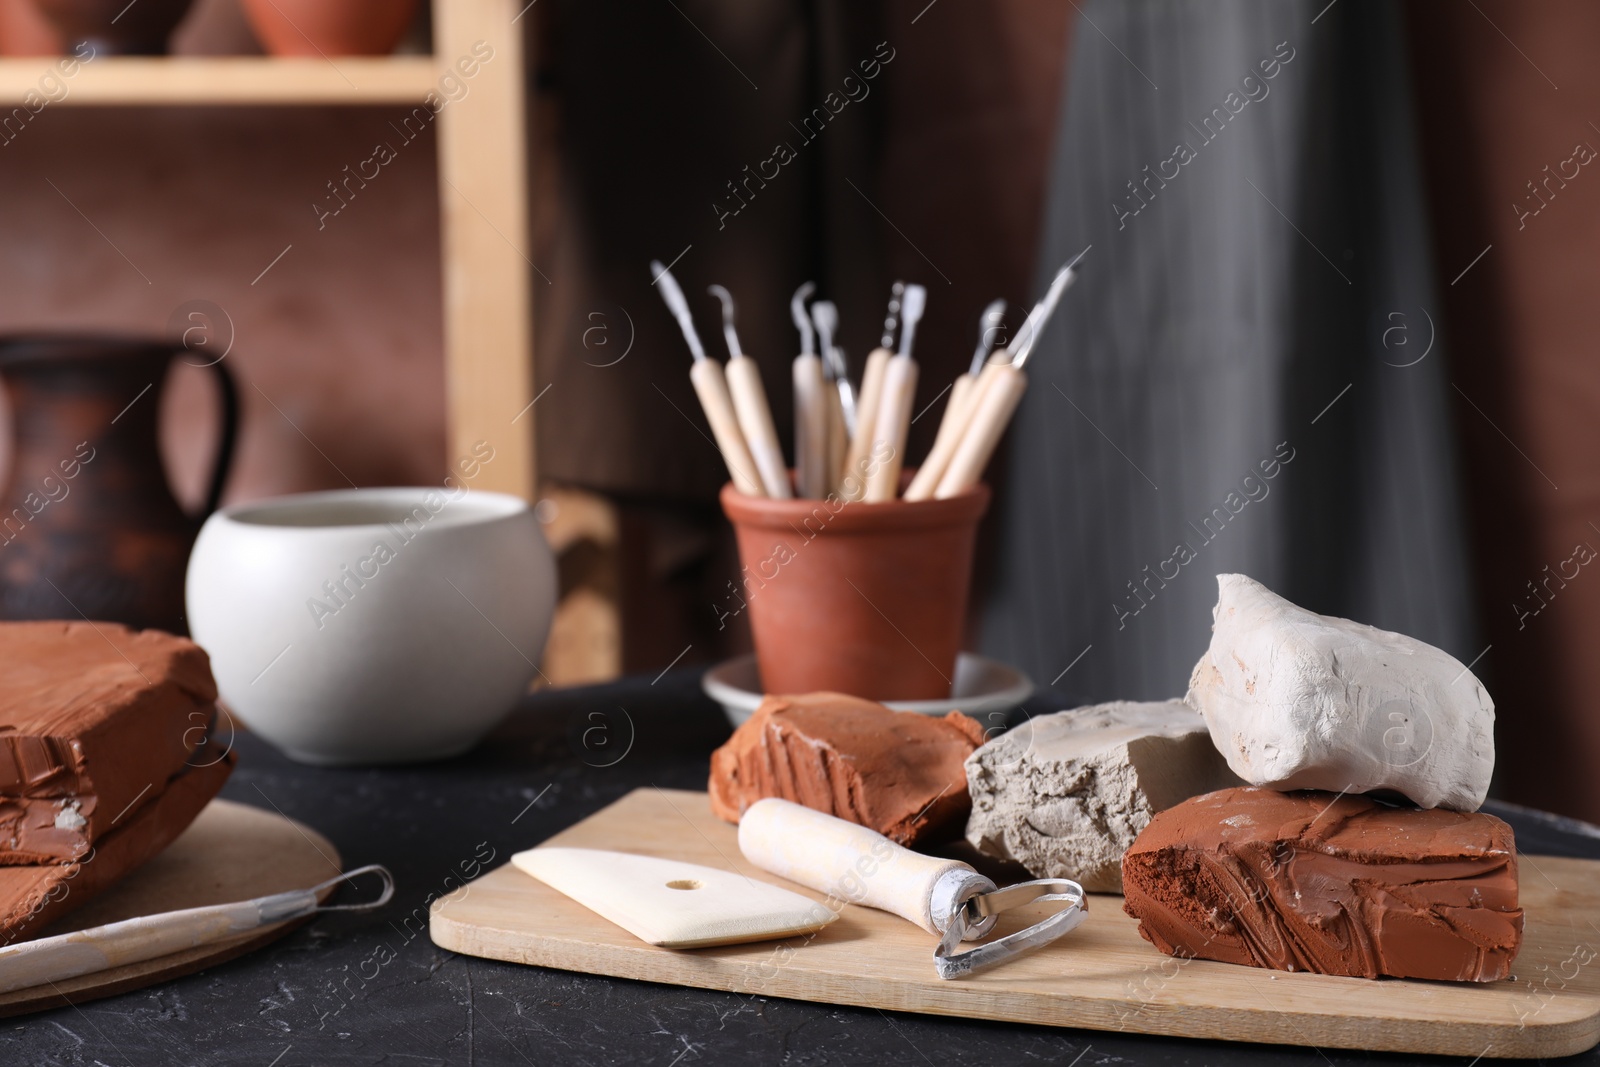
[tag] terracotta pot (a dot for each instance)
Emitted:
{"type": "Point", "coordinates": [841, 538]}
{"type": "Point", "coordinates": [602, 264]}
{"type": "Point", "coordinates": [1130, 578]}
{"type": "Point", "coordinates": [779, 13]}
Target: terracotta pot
{"type": "Point", "coordinates": [25, 32]}
{"type": "Point", "coordinates": [115, 27]}
{"type": "Point", "coordinates": [866, 599]}
{"type": "Point", "coordinates": [330, 27]}
{"type": "Point", "coordinates": [88, 527]}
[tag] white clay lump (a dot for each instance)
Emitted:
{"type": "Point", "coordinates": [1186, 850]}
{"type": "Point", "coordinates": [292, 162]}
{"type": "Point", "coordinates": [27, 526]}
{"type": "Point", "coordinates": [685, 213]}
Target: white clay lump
{"type": "Point", "coordinates": [1297, 700]}
{"type": "Point", "coordinates": [1065, 794]}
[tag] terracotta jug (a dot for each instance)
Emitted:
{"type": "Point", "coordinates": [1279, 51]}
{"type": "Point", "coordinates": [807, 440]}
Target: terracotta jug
{"type": "Point", "coordinates": [88, 526]}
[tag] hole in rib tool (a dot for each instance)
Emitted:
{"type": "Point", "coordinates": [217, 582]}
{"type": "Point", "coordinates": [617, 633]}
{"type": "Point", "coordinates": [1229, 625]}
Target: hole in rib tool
{"type": "Point", "coordinates": [999, 390]}
{"type": "Point", "coordinates": [810, 404]}
{"type": "Point", "coordinates": [100, 948]}
{"type": "Point", "coordinates": [712, 389]}
{"type": "Point", "coordinates": [947, 898]}
{"type": "Point", "coordinates": [857, 462]}
{"type": "Point", "coordinates": [750, 405]}
{"type": "Point", "coordinates": [957, 409]}
{"type": "Point", "coordinates": [894, 407]}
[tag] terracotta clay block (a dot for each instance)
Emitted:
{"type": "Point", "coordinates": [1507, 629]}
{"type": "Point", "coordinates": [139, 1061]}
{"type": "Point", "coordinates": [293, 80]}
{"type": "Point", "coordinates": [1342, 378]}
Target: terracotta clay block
{"type": "Point", "coordinates": [1312, 881]}
{"type": "Point", "coordinates": [33, 897]}
{"type": "Point", "coordinates": [897, 772]}
{"type": "Point", "coordinates": [94, 720]}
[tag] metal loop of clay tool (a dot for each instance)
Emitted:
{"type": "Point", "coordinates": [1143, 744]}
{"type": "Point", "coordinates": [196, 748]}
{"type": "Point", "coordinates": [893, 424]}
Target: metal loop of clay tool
{"type": "Point", "coordinates": [372, 868]}
{"type": "Point", "coordinates": [951, 964]}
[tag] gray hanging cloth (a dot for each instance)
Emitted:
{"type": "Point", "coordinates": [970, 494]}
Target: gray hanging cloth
{"type": "Point", "coordinates": [1247, 376]}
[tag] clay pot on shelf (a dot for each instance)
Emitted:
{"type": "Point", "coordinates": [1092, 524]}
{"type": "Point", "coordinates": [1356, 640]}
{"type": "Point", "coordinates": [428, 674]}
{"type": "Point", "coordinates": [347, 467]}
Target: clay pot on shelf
{"type": "Point", "coordinates": [88, 527]}
{"type": "Point", "coordinates": [115, 27]}
{"type": "Point", "coordinates": [865, 599]}
{"type": "Point", "coordinates": [330, 27]}
{"type": "Point", "coordinates": [25, 32]}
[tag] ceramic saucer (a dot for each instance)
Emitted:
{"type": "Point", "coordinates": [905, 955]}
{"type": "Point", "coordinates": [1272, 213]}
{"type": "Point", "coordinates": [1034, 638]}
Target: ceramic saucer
{"type": "Point", "coordinates": [982, 685]}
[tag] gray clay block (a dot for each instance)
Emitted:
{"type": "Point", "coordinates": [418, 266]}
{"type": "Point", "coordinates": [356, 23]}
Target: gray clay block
{"type": "Point", "coordinates": [1066, 794]}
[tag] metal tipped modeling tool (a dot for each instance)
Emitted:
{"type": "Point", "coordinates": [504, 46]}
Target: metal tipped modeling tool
{"type": "Point", "coordinates": [48, 960]}
{"type": "Point", "coordinates": [841, 399]}
{"type": "Point", "coordinates": [999, 390]}
{"type": "Point", "coordinates": [750, 405]}
{"type": "Point", "coordinates": [826, 317]}
{"type": "Point", "coordinates": [853, 480]}
{"type": "Point", "coordinates": [712, 389]}
{"type": "Point", "coordinates": [988, 327]}
{"type": "Point", "coordinates": [810, 405]}
{"type": "Point", "coordinates": [894, 407]}
{"type": "Point", "coordinates": [957, 410]}
{"type": "Point", "coordinates": [1039, 317]}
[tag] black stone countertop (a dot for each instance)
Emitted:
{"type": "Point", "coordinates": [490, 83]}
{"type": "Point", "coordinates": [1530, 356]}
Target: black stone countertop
{"type": "Point", "coordinates": [372, 989]}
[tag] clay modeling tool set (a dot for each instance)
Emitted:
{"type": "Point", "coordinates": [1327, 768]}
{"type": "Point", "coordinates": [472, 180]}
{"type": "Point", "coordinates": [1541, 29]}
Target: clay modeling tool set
{"type": "Point", "coordinates": [849, 441]}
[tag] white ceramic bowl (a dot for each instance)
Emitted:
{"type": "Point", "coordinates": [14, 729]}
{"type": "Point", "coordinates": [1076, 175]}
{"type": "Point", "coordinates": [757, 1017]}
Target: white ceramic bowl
{"type": "Point", "coordinates": [982, 686]}
{"type": "Point", "coordinates": [372, 625]}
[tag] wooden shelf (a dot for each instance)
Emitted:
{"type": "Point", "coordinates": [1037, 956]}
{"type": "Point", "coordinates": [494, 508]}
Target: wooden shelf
{"type": "Point", "coordinates": [225, 80]}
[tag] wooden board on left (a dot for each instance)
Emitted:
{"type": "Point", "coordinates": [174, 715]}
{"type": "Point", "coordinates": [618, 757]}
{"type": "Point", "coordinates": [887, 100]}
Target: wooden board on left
{"type": "Point", "coordinates": [231, 852]}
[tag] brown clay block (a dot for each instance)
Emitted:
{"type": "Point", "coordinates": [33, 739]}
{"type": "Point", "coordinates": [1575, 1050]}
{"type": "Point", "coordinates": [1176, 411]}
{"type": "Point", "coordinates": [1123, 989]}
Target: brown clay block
{"type": "Point", "coordinates": [32, 897]}
{"type": "Point", "coordinates": [94, 720]}
{"type": "Point", "coordinates": [896, 772]}
{"type": "Point", "coordinates": [1312, 881]}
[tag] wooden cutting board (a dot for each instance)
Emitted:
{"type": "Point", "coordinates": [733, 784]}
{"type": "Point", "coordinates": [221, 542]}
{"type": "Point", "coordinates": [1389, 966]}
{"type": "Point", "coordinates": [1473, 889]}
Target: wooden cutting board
{"type": "Point", "coordinates": [230, 852]}
{"type": "Point", "coordinates": [1102, 976]}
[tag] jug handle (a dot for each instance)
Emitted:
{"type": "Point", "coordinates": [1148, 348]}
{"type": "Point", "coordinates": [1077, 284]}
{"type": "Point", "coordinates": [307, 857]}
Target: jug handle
{"type": "Point", "coordinates": [228, 393]}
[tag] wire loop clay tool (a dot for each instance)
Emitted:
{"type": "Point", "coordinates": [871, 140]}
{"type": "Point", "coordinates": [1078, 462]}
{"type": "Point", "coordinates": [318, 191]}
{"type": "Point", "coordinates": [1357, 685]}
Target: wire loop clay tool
{"type": "Point", "coordinates": [712, 389]}
{"type": "Point", "coordinates": [840, 396]}
{"type": "Point", "coordinates": [100, 948]}
{"type": "Point", "coordinates": [947, 898]}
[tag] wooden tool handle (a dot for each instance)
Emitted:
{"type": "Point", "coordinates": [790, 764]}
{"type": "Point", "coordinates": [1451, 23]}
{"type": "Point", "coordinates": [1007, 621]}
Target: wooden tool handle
{"type": "Point", "coordinates": [890, 428]}
{"type": "Point", "coordinates": [993, 402]}
{"type": "Point", "coordinates": [755, 419]}
{"type": "Point", "coordinates": [838, 438]}
{"type": "Point", "coordinates": [810, 427]}
{"type": "Point", "coordinates": [952, 427]}
{"type": "Point", "coordinates": [850, 863]}
{"type": "Point", "coordinates": [712, 389]}
{"type": "Point", "coordinates": [55, 959]}
{"type": "Point", "coordinates": [857, 464]}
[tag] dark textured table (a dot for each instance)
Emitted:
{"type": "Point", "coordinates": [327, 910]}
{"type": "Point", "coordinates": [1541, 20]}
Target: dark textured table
{"type": "Point", "coordinates": [372, 989]}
